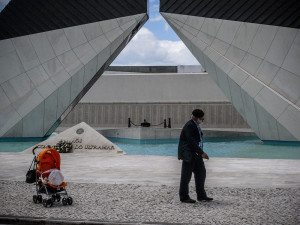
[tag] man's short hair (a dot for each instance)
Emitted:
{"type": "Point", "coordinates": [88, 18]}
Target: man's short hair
{"type": "Point", "coordinates": [198, 113]}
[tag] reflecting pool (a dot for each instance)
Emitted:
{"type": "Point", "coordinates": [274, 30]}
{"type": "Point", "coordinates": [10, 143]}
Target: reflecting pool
{"type": "Point", "coordinates": [240, 147]}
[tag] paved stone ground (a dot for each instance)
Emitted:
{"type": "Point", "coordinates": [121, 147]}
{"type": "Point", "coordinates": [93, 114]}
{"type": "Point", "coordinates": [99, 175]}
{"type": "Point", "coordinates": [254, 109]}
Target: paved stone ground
{"type": "Point", "coordinates": [144, 189]}
{"type": "Point", "coordinates": [157, 204]}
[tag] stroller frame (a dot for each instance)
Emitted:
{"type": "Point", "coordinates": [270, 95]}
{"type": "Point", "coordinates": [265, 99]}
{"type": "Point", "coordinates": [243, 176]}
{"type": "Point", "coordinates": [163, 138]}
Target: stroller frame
{"type": "Point", "coordinates": [52, 192]}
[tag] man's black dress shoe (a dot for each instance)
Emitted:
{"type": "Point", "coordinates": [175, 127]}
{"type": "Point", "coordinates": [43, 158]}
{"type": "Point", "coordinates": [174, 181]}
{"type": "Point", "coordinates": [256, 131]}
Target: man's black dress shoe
{"type": "Point", "coordinates": [189, 200]}
{"type": "Point", "coordinates": [204, 198]}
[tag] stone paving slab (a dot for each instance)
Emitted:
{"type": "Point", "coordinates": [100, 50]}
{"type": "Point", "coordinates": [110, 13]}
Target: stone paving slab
{"type": "Point", "coordinates": [158, 204]}
{"type": "Point", "coordinates": [159, 170]}
{"type": "Point", "coordinates": [133, 189]}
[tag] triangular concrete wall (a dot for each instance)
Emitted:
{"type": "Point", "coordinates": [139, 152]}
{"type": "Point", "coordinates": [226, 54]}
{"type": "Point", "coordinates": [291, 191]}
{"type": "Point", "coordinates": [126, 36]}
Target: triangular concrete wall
{"type": "Point", "coordinates": [254, 65]}
{"type": "Point", "coordinates": [44, 75]}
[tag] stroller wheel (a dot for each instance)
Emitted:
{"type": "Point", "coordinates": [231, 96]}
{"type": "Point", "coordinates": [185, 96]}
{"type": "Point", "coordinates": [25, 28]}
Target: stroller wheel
{"type": "Point", "coordinates": [64, 201]}
{"type": "Point", "coordinates": [47, 203]}
{"type": "Point", "coordinates": [70, 200]}
{"type": "Point", "coordinates": [39, 198]}
{"type": "Point", "coordinates": [35, 198]}
{"type": "Point", "coordinates": [58, 197]}
{"type": "Point", "coordinates": [50, 202]}
{"type": "Point", "coordinates": [53, 198]}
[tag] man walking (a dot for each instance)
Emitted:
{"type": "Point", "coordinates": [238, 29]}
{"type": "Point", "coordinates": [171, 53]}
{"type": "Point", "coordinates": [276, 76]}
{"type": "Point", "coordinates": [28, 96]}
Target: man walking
{"type": "Point", "coordinates": [190, 150]}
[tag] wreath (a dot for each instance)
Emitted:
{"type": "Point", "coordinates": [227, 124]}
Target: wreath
{"type": "Point", "coordinates": [64, 146]}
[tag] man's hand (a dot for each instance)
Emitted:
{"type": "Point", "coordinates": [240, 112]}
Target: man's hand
{"type": "Point", "coordinates": [205, 156]}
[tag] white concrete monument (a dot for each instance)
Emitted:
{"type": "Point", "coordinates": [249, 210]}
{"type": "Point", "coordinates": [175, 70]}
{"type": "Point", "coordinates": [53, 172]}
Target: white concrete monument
{"type": "Point", "coordinates": [84, 139]}
{"type": "Point", "coordinates": [256, 65]}
{"type": "Point", "coordinates": [47, 65]}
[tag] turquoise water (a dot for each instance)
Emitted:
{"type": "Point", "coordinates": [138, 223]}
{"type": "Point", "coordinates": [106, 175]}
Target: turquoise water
{"type": "Point", "coordinates": [16, 146]}
{"type": "Point", "coordinates": [249, 147]}
{"type": "Point", "coordinates": [218, 147]}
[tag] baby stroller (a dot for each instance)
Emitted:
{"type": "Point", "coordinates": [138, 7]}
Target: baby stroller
{"type": "Point", "coordinates": [46, 169]}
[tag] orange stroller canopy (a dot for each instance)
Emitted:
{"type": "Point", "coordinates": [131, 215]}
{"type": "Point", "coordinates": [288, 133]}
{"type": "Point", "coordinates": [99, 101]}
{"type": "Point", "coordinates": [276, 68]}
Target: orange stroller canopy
{"type": "Point", "coordinates": [48, 159]}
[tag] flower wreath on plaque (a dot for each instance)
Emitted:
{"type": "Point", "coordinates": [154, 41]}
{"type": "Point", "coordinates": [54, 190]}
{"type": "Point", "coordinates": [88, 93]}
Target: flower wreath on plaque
{"type": "Point", "coordinates": [64, 146]}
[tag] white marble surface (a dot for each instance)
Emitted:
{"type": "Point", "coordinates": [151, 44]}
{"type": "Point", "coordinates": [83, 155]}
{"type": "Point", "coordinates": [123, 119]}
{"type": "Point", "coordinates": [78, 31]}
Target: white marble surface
{"type": "Point", "coordinates": [128, 27]}
{"type": "Point", "coordinates": [17, 87]}
{"type": "Point", "coordinates": [108, 25]}
{"type": "Point", "coordinates": [223, 83]}
{"type": "Point", "coordinates": [70, 62]}
{"type": "Point", "coordinates": [11, 66]}
{"type": "Point", "coordinates": [211, 67]}
{"type": "Point", "coordinates": [180, 18]}
{"type": "Point", "coordinates": [103, 56]}
{"type": "Point", "coordinates": [37, 75]}
{"type": "Point", "coordinates": [60, 77]}
{"type": "Point", "coordinates": [6, 46]}
{"type": "Point", "coordinates": [92, 30]}
{"type": "Point", "coordinates": [252, 86]}
{"type": "Point", "coordinates": [290, 118]}
{"type": "Point", "coordinates": [33, 127]}
{"type": "Point", "coordinates": [38, 67]}
{"type": "Point", "coordinates": [63, 97]}
{"type": "Point", "coordinates": [266, 72]}
{"type": "Point", "coordinates": [42, 47]}
{"type": "Point", "coordinates": [206, 38]}
{"type": "Point", "coordinates": [238, 75]}
{"type": "Point", "coordinates": [280, 46]}
{"type": "Point", "coordinates": [139, 17]}
{"type": "Point", "coordinates": [285, 134]}
{"type": "Point", "coordinates": [244, 35]}
{"type": "Point", "coordinates": [75, 36]}
{"type": "Point", "coordinates": [195, 22]}
{"type": "Point", "coordinates": [220, 46]}
{"type": "Point", "coordinates": [59, 41]}
{"type": "Point", "coordinates": [267, 125]}
{"type": "Point", "coordinates": [250, 63]}
{"type": "Point", "coordinates": [271, 102]}
{"type": "Point", "coordinates": [99, 43]}
{"type": "Point", "coordinates": [287, 84]}
{"type": "Point", "coordinates": [8, 118]}
{"type": "Point", "coordinates": [262, 40]}
{"type": "Point", "coordinates": [4, 101]}
{"type": "Point", "coordinates": [85, 53]}
{"type": "Point", "coordinates": [228, 30]}
{"type": "Point", "coordinates": [190, 29]}
{"type": "Point", "coordinates": [291, 62]}
{"type": "Point", "coordinates": [46, 88]}
{"type": "Point", "coordinates": [211, 26]}
{"type": "Point", "coordinates": [248, 51]}
{"type": "Point", "coordinates": [28, 102]}
{"type": "Point", "coordinates": [90, 70]}
{"type": "Point", "coordinates": [116, 36]}
{"type": "Point", "coordinates": [26, 52]}
{"type": "Point", "coordinates": [77, 83]}
{"type": "Point", "coordinates": [250, 113]}
{"type": "Point", "coordinates": [177, 24]}
{"type": "Point", "coordinates": [236, 97]}
{"type": "Point", "coordinates": [50, 115]}
{"type": "Point", "coordinates": [125, 19]}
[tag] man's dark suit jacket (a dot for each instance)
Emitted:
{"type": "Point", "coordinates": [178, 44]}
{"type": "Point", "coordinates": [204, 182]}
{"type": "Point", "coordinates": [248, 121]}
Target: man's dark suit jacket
{"type": "Point", "coordinates": [189, 140]}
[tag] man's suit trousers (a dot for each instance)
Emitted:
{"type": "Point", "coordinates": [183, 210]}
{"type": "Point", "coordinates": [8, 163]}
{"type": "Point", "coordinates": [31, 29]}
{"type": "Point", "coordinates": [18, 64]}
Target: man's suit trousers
{"type": "Point", "coordinates": [196, 166]}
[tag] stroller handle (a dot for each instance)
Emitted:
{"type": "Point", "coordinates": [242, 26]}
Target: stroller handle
{"type": "Point", "coordinates": [34, 149]}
